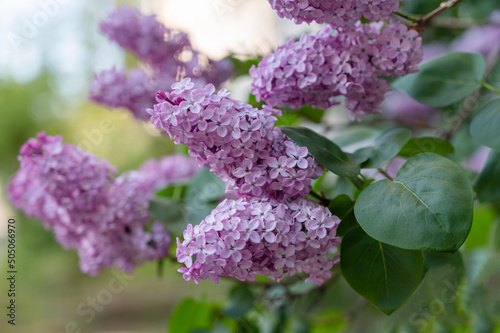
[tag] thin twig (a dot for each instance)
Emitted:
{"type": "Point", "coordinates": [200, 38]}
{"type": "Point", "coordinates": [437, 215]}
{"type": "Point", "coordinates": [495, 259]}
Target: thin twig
{"type": "Point", "coordinates": [442, 7]}
{"type": "Point", "coordinates": [322, 200]}
{"type": "Point", "coordinates": [455, 23]}
{"type": "Point", "coordinates": [407, 17]}
{"type": "Point", "coordinates": [490, 87]}
{"type": "Point", "coordinates": [419, 23]}
{"type": "Point", "coordinates": [386, 175]}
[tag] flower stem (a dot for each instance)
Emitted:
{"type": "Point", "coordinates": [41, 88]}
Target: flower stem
{"type": "Point", "coordinates": [360, 185]}
{"type": "Point", "coordinates": [386, 175]}
{"type": "Point", "coordinates": [490, 87]}
{"type": "Point", "coordinates": [407, 17]}
{"type": "Point", "coordinates": [419, 23]}
{"type": "Point", "coordinates": [442, 7]}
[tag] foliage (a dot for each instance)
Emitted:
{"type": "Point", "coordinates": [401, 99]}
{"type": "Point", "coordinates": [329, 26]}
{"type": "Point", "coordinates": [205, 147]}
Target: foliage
{"type": "Point", "coordinates": [420, 225]}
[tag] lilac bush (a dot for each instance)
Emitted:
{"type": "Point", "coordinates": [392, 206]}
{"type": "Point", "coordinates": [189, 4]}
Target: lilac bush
{"type": "Point", "coordinates": [398, 206]}
{"type": "Point", "coordinates": [338, 13]}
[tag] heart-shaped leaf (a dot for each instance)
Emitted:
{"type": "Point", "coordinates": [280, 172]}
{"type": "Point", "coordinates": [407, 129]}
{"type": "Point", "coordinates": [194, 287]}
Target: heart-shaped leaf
{"type": "Point", "coordinates": [427, 207]}
{"type": "Point", "coordinates": [383, 274]}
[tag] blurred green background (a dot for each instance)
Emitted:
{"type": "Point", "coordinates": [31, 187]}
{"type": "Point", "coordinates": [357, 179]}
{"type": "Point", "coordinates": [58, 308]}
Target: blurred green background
{"type": "Point", "coordinates": [43, 87]}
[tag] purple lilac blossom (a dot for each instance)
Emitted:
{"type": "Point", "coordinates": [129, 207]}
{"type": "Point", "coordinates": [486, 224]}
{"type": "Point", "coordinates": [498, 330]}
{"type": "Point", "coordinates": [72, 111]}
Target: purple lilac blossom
{"type": "Point", "coordinates": [259, 236]}
{"type": "Point", "coordinates": [324, 65]}
{"type": "Point", "coordinates": [235, 140]}
{"type": "Point", "coordinates": [168, 54]}
{"type": "Point", "coordinates": [119, 89]}
{"type": "Point", "coordinates": [271, 229]}
{"type": "Point", "coordinates": [76, 196]}
{"type": "Point", "coordinates": [338, 13]}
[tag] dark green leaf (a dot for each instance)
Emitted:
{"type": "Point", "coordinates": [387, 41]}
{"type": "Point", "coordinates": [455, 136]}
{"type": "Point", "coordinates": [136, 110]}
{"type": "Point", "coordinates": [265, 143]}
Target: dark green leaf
{"type": "Point", "coordinates": [354, 134]}
{"type": "Point", "coordinates": [435, 259]}
{"type": "Point", "coordinates": [445, 80]}
{"type": "Point", "coordinates": [177, 215]}
{"type": "Point", "coordinates": [205, 187]}
{"type": "Point", "coordinates": [170, 213]}
{"type": "Point", "coordinates": [325, 151]}
{"type": "Point", "coordinates": [247, 326]}
{"type": "Point", "coordinates": [308, 112]}
{"type": "Point", "coordinates": [242, 67]}
{"type": "Point", "coordinates": [488, 183]}
{"type": "Point", "coordinates": [485, 126]}
{"type": "Point", "coordinates": [190, 315]}
{"type": "Point", "coordinates": [383, 274]}
{"type": "Point", "coordinates": [426, 145]}
{"type": "Point", "coordinates": [427, 207]}
{"type": "Point", "coordinates": [362, 155]}
{"type": "Point", "coordinates": [387, 146]}
{"type": "Point", "coordinates": [343, 207]}
{"type": "Point", "coordinates": [175, 192]}
{"type": "Point", "coordinates": [241, 300]}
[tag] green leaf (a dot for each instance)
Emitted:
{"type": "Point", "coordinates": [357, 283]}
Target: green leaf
{"type": "Point", "coordinates": [242, 67]}
{"type": "Point", "coordinates": [387, 146]}
{"type": "Point", "coordinates": [241, 300]}
{"type": "Point", "coordinates": [383, 274]}
{"type": "Point", "coordinates": [307, 111]}
{"type": "Point", "coordinates": [488, 183]}
{"type": "Point", "coordinates": [343, 207]}
{"type": "Point", "coordinates": [175, 192]}
{"type": "Point", "coordinates": [484, 127]}
{"type": "Point", "coordinates": [325, 151]}
{"type": "Point", "coordinates": [362, 155]}
{"type": "Point", "coordinates": [355, 134]}
{"type": "Point", "coordinates": [435, 259]}
{"type": "Point", "coordinates": [427, 207]}
{"type": "Point", "coordinates": [426, 145]}
{"type": "Point", "coordinates": [170, 213]}
{"type": "Point", "coordinates": [445, 80]}
{"type": "Point", "coordinates": [246, 325]}
{"type": "Point", "coordinates": [190, 315]}
{"type": "Point", "coordinates": [205, 187]}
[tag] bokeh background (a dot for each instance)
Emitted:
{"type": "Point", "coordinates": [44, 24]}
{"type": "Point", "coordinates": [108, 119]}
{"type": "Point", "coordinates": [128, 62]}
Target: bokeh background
{"type": "Point", "coordinates": [45, 72]}
{"type": "Point", "coordinates": [46, 64]}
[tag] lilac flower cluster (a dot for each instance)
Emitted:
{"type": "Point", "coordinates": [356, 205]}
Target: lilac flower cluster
{"type": "Point", "coordinates": [324, 65]}
{"type": "Point", "coordinates": [168, 54]}
{"type": "Point", "coordinates": [235, 140]}
{"type": "Point", "coordinates": [260, 236]}
{"type": "Point", "coordinates": [481, 39]}
{"type": "Point", "coordinates": [76, 196]}
{"type": "Point", "coordinates": [271, 229]}
{"type": "Point", "coordinates": [338, 13]}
